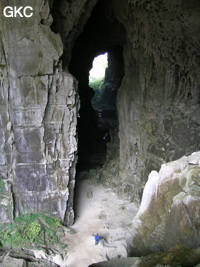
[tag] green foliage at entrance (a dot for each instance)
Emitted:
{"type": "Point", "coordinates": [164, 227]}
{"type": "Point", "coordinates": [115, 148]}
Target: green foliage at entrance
{"type": "Point", "coordinates": [31, 230]}
{"type": "Point", "coordinates": [97, 83]}
{"type": "Point", "coordinates": [99, 87]}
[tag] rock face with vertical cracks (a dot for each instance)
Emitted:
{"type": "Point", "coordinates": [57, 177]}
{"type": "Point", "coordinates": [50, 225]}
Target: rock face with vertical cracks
{"type": "Point", "coordinates": [169, 214]}
{"type": "Point", "coordinates": [157, 102]}
{"type": "Point", "coordinates": [38, 116]}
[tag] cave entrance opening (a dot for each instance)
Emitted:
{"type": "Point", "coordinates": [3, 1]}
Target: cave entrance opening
{"type": "Point", "coordinates": [97, 128]}
{"type": "Point", "coordinates": [98, 111]}
{"type": "Point", "coordinates": [92, 130]}
{"type": "Point", "coordinates": [93, 139]}
{"type": "Point", "coordinates": [97, 80]}
{"type": "Point", "coordinates": [102, 33]}
{"type": "Point", "coordinates": [98, 122]}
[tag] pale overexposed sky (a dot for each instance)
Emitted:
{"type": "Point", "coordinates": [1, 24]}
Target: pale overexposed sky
{"type": "Point", "coordinates": [100, 63]}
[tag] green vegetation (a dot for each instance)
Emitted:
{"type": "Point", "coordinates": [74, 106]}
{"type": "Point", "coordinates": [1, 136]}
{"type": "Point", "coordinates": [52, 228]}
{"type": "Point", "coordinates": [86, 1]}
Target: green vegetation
{"type": "Point", "coordinates": [31, 230]}
{"type": "Point", "coordinates": [95, 83]}
{"type": "Point", "coordinates": [99, 87]}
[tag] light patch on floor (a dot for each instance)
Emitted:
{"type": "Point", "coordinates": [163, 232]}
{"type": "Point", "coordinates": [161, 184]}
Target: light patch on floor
{"type": "Point", "coordinates": [103, 213]}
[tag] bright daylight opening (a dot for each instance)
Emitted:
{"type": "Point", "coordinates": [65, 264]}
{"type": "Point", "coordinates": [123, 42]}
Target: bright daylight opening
{"type": "Point", "coordinates": [100, 64]}
{"type": "Point", "coordinates": [97, 81]}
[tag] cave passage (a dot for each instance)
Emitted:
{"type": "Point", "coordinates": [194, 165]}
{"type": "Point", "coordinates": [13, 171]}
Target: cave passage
{"type": "Point", "coordinates": [98, 113]}
{"type": "Point", "coordinates": [97, 128]}
{"type": "Point", "coordinates": [99, 36]}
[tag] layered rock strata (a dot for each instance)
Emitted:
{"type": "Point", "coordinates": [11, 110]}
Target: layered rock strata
{"type": "Point", "coordinates": [157, 102]}
{"type": "Point", "coordinates": [38, 116]}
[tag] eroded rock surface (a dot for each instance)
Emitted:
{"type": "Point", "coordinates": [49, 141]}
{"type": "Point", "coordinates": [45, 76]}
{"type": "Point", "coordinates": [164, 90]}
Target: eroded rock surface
{"type": "Point", "coordinates": [169, 212]}
{"type": "Point", "coordinates": [38, 119]}
{"type": "Point", "coordinates": [157, 102]}
{"type": "Point", "coordinates": [21, 258]}
{"type": "Point", "coordinates": [187, 257]}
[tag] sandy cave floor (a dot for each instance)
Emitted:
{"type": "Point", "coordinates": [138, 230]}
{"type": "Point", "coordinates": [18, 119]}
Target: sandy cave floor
{"type": "Point", "coordinates": [98, 210]}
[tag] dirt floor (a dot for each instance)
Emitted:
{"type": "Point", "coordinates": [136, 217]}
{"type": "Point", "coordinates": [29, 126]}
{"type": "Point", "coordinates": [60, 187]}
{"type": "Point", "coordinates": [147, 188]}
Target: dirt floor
{"type": "Point", "coordinates": [98, 210]}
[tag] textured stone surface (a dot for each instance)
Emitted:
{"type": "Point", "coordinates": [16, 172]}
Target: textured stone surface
{"type": "Point", "coordinates": [38, 111]}
{"type": "Point", "coordinates": [178, 256]}
{"type": "Point", "coordinates": [8, 261]}
{"type": "Point", "coordinates": [21, 257]}
{"type": "Point", "coordinates": [6, 201]}
{"type": "Point", "coordinates": [157, 103]}
{"type": "Point", "coordinates": [169, 213]}
{"type": "Point", "coordinates": [69, 20]}
{"type": "Point", "coordinates": [158, 100]}
{"type": "Point", "coordinates": [129, 262]}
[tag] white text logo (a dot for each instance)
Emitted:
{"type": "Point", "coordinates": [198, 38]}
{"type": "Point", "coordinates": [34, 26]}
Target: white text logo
{"type": "Point", "coordinates": [13, 12]}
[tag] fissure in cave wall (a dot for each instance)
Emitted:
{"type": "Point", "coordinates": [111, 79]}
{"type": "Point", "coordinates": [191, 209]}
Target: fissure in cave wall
{"type": "Point", "coordinates": [157, 102]}
{"type": "Point", "coordinates": [99, 36]}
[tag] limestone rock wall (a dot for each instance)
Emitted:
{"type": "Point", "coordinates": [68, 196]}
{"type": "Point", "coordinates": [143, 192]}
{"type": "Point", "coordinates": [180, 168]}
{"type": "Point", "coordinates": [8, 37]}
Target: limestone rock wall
{"type": "Point", "coordinates": [169, 214]}
{"type": "Point", "coordinates": [158, 101]}
{"type": "Point", "coordinates": [38, 116]}
{"type": "Point", "coordinates": [69, 20]}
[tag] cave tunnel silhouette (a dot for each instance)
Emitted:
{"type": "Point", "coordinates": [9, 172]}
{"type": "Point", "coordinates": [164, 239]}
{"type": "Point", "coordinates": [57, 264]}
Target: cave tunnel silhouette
{"type": "Point", "coordinates": [99, 36]}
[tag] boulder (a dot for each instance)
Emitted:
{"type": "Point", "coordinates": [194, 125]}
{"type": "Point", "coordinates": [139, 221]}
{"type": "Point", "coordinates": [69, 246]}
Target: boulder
{"type": "Point", "coordinates": [169, 211]}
